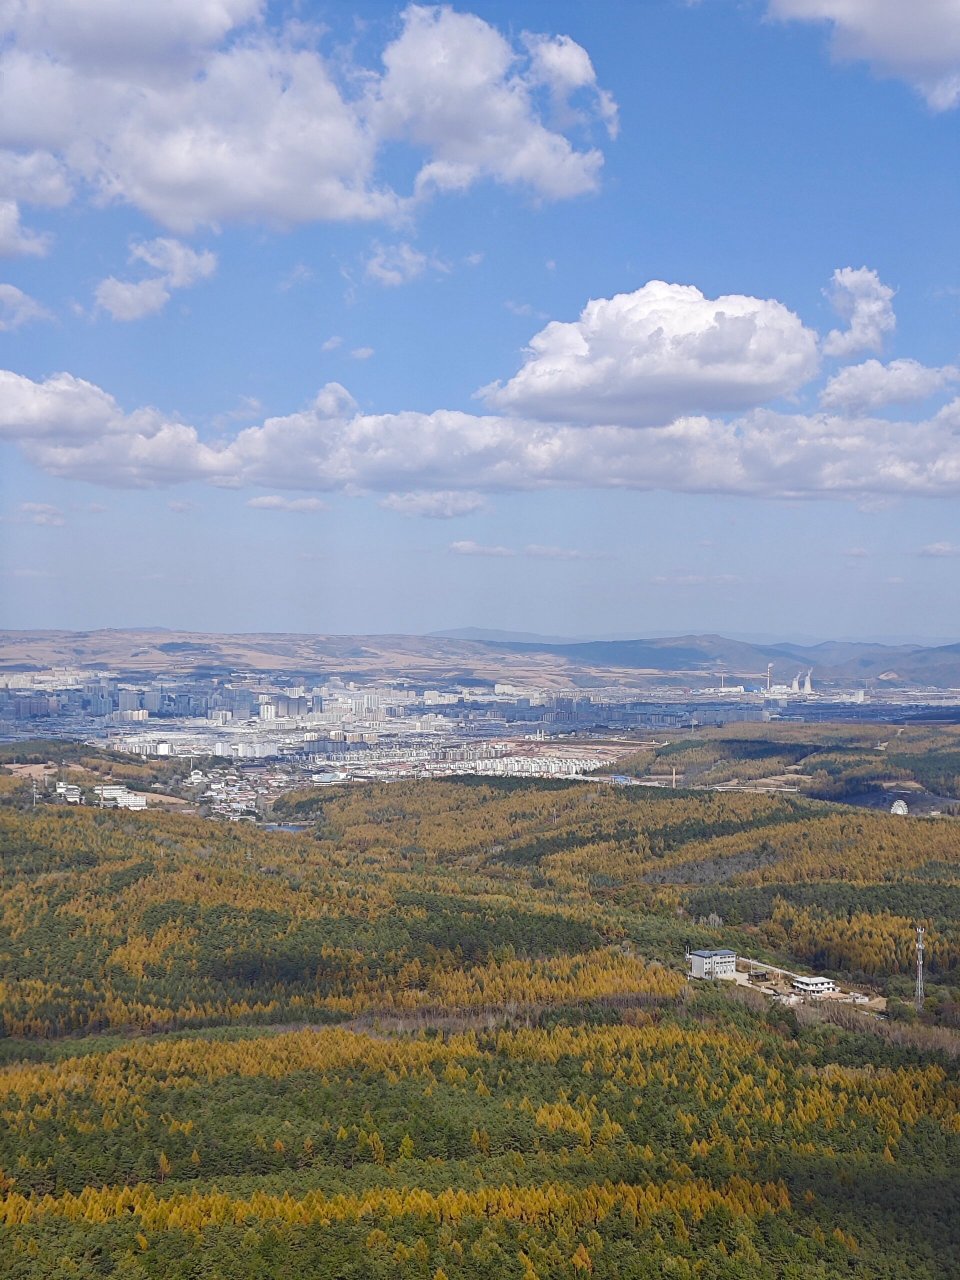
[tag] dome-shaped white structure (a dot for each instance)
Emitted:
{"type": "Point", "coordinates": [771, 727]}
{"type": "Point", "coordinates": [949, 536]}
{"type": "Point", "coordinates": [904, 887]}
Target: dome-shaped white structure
{"type": "Point", "coordinates": [900, 807]}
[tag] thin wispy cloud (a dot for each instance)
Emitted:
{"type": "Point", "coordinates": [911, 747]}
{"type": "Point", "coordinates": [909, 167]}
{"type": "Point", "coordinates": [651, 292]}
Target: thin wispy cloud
{"type": "Point", "coordinates": [532, 551]}
{"type": "Point", "coordinates": [273, 502]}
{"type": "Point", "coordinates": [939, 550]}
{"type": "Point", "coordinates": [39, 513]}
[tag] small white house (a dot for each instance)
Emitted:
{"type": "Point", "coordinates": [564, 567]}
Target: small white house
{"type": "Point", "coordinates": [813, 986]}
{"type": "Point", "coordinates": [713, 964]}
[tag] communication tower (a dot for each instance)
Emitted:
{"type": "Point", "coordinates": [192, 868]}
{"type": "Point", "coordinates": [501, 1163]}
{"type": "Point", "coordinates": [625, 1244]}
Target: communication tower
{"type": "Point", "coordinates": [919, 995]}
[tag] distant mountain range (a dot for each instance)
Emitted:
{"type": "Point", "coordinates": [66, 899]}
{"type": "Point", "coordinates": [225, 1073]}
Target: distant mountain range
{"type": "Point", "coordinates": [475, 655]}
{"type": "Point", "coordinates": [833, 660]}
{"type": "Point", "coordinates": [484, 635]}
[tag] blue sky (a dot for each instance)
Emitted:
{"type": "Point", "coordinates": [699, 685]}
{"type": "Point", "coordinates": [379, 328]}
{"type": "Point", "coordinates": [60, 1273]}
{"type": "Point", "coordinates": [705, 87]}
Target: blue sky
{"type": "Point", "coordinates": [588, 319]}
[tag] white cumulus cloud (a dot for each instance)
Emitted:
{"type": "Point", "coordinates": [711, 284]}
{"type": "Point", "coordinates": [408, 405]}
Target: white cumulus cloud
{"type": "Point", "coordinates": [72, 428]}
{"type": "Point", "coordinates": [861, 298]}
{"type": "Point", "coordinates": [179, 265]}
{"type": "Point", "coordinates": [453, 87]}
{"type": "Point", "coordinates": [647, 357]}
{"type": "Point", "coordinates": [915, 40]}
{"type": "Point", "coordinates": [131, 300]}
{"type": "Point", "coordinates": [565, 67]}
{"type": "Point", "coordinates": [17, 240]}
{"type": "Point", "coordinates": [697, 374]}
{"type": "Point", "coordinates": [199, 112]}
{"type": "Point", "coordinates": [863, 388]}
{"type": "Point", "coordinates": [36, 178]}
{"type": "Point", "coordinates": [114, 36]}
{"type": "Point", "coordinates": [940, 550]}
{"type": "Point", "coordinates": [17, 308]}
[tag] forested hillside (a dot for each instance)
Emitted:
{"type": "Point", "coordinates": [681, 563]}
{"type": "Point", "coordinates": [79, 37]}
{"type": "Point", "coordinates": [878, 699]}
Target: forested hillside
{"type": "Point", "coordinates": [443, 1031]}
{"type": "Point", "coordinates": [824, 761]}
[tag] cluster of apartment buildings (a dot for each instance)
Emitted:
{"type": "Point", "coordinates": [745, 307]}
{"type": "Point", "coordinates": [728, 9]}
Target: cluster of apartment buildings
{"type": "Point", "coordinates": [253, 717]}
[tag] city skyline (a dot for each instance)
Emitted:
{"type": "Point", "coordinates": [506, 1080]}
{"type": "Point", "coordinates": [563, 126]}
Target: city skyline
{"type": "Point", "coordinates": [633, 320]}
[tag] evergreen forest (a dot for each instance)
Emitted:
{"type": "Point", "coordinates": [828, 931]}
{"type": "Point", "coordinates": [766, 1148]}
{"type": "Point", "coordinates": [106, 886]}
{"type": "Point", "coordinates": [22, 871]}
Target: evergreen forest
{"type": "Point", "coordinates": [443, 1031]}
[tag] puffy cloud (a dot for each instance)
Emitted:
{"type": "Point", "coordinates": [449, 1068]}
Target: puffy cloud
{"type": "Point", "coordinates": [362, 353]}
{"type": "Point", "coordinates": [180, 266]}
{"type": "Point", "coordinates": [131, 300]}
{"type": "Point", "coordinates": [866, 303]}
{"type": "Point", "coordinates": [860, 388]}
{"type": "Point", "coordinates": [647, 357]}
{"type": "Point", "coordinates": [444, 504]}
{"type": "Point", "coordinates": [37, 178]}
{"type": "Point", "coordinates": [17, 308]}
{"type": "Point", "coordinates": [915, 40]}
{"type": "Point", "coordinates": [565, 67]}
{"type": "Point", "coordinates": [452, 86]}
{"type": "Point", "coordinates": [71, 428]}
{"type": "Point", "coordinates": [17, 240]}
{"type": "Point", "coordinates": [398, 264]}
{"type": "Point", "coordinates": [264, 134]}
{"type": "Point", "coordinates": [197, 113]}
{"type": "Point", "coordinates": [274, 502]}
{"type": "Point", "coordinates": [939, 550]}
{"type": "Point", "coordinates": [63, 408]}
{"type": "Point", "coordinates": [114, 36]}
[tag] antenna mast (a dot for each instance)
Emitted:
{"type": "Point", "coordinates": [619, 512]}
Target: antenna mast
{"type": "Point", "coordinates": [919, 995]}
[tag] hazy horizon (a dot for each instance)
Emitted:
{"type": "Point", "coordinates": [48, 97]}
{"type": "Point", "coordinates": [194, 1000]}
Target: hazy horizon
{"type": "Point", "coordinates": [518, 635]}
